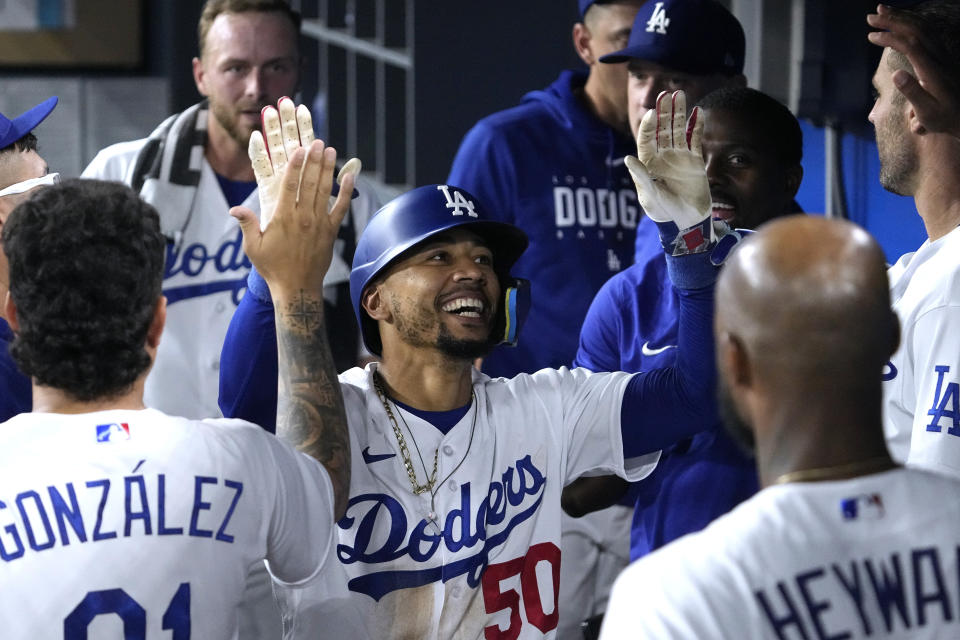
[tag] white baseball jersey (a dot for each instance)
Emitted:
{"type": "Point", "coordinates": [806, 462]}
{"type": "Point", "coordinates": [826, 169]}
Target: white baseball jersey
{"type": "Point", "coordinates": [922, 380]}
{"type": "Point", "coordinates": [140, 525]}
{"type": "Point", "coordinates": [480, 558]}
{"type": "Point", "coordinates": [205, 275]}
{"type": "Point", "coordinates": [874, 556]}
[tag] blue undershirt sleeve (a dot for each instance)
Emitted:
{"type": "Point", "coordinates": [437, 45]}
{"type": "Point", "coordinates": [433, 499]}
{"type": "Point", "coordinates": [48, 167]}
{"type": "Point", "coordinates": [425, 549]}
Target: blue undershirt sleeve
{"type": "Point", "coordinates": [663, 406]}
{"type": "Point", "coordinates": [248, 361]}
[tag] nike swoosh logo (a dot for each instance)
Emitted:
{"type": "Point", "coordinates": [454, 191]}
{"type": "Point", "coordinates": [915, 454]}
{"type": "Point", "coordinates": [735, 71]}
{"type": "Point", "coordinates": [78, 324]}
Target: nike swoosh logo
{"type": "Point", "coordinates": [370, 458]}
{"type": "Point", "coordinates": [647, 351]}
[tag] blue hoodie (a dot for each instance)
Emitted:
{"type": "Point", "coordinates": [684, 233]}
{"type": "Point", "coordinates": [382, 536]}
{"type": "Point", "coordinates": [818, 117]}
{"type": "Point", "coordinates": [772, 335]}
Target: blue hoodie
{"type": "Point", "coordinates": [553, 169]}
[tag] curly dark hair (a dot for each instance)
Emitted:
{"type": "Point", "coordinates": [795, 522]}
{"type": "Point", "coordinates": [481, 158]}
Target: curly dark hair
{"type": "Point", "coordinates": [86, 267]}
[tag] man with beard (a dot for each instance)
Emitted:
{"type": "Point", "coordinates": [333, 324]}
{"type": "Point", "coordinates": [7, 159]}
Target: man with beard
{"type": "Point", "coordinates": [815, 552]}
{"type": "Point", "coordinates": [193, 168]}
{"type": "Point", "coordinates": [922, 379]}
{"type": "Point", "coordinates": [752, 148]}
{"type": "Point", "coordinates": [452, 527]}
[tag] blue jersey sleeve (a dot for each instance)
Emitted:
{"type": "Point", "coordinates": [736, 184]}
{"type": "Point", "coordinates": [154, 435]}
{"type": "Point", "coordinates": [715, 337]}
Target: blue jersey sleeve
{"type": "Point", "coordinates": [248, 362]}
{"type": "Point", "coordinates": [663, 406]}
{"type": "Point", "coordinates": [484, 166]}
{"type": "Point", "coordinates": [599, 348]}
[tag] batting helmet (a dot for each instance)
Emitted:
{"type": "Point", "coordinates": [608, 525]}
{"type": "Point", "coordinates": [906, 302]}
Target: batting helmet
{"type": "Point", "coordinates": [415, 216]}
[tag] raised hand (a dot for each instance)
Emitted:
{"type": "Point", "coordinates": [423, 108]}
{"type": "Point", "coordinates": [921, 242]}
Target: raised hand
{"type": "Point", "coordinates": [293, 252]}
{"type": "Point", "coordinates": [285, 129]}
{"type": "Point", "coordinates": [294, 249]}
{"type": "Point", "coordinates": [669, 173]}
{"type": "Point", "coordinates": [932, 90]}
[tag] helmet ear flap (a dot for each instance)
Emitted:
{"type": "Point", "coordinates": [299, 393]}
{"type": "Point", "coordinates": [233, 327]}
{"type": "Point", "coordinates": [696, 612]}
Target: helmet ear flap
{"type": "Point", "coordinates": [513, 311]}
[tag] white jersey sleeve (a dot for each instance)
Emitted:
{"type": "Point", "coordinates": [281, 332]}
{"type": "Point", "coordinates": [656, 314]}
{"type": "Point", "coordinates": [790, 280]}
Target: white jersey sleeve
{"type": "Point", "coordinates": [643, 605]}
{"type": "Point", "coordinates": [586, 406]}
{"type": "Point", "coordinates": [934, 342]}
{"type": "Point", "coordinates": [303, 511]}
{"type": "Point", "coordinates": [921, 383]}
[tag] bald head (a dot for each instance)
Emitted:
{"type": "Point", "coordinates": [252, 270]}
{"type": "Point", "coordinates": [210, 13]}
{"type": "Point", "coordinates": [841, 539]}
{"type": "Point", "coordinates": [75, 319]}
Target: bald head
{"type": "Point", "coordinates": [811, 294]}
{"type": "Point", "coordinates": [804, 327]}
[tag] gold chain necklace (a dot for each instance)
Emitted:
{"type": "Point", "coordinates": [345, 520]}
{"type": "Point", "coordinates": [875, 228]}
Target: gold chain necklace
{"type": "Point", "coordinates": [860, 467]}
{"type": "Point", "coordinates": [404, 451]}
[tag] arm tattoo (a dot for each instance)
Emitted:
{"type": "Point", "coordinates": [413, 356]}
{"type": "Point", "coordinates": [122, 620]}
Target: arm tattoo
{"type": "Point", "coordinates": [310, 411]}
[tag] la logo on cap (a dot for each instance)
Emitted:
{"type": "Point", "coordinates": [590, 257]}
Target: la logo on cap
{"type": "Point", "coordinates": [659, 21]}
{"type": "Point", "coordinates": [457, 201]}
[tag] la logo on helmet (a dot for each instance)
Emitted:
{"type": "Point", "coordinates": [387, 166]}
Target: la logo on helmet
{"type": "Point", "coordinates": [659, 21]}
{"type": "Point", "coordinates": [457, 202]}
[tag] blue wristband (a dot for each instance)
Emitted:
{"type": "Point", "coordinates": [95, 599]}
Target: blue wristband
{"type": "Point", "coordinates": [692, 271]}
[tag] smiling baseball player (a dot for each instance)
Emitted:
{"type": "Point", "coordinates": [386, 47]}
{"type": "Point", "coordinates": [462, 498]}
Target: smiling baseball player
{"type": "Point", "coordinates": [452, 529]}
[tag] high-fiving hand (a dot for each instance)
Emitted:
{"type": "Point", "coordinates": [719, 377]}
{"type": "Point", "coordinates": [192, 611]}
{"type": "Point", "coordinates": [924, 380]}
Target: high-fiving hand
{"type": "Point", "coordinates": [669, 171]}
{"type": "Point", "coordinates": [293, 248]}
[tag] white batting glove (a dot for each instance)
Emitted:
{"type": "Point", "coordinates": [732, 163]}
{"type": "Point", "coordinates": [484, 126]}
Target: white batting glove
{"type": "Point", "coordinates": [670, 176]}
{"type": "Point", "coordinates": [287, 128]}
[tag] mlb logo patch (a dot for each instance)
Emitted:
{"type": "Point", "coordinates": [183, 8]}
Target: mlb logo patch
{"type": "Point", "coordinates": [866, 506]}
{"type": "Point", "coordinates": [113, 431]}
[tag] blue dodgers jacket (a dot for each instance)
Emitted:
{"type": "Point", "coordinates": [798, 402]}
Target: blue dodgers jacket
{"type": "Point", "coordinates": [553, 169]}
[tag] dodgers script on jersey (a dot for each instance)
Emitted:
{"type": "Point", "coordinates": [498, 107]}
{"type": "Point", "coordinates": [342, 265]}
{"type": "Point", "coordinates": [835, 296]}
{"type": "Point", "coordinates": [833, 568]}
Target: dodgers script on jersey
{"type": "Point", "coordinates": [480, 558]}
{"type": "Point", "coordinates": [874, 556]}
{"type": "Point", "coordinates": [205, 274]}
{"type": "Point", "coordinates": [135, 524]}
{"type": "Point", "coordinates": [921, 388]}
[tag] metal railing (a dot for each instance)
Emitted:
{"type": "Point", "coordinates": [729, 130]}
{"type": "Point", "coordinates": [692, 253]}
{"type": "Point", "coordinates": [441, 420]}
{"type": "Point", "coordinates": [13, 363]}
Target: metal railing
{"type": "Point", "coordinates": [366, 77]}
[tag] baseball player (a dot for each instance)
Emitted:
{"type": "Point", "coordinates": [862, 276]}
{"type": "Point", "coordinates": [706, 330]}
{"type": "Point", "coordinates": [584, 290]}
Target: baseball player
{"type": "Point", "coordinates": [922, 380]}
{"type": "Point", "coordinates": [452, 529]}
{"type": "Point", "coordinates": [193, 168]}
{"type": "Point", "coordinates": [122, 521]}
{"type": "Point", "coordinates": [841, 542]}
{"type": "Point", "coordinates": [752, 149]}
{"type": "Point", "coordinates": [22, 170]}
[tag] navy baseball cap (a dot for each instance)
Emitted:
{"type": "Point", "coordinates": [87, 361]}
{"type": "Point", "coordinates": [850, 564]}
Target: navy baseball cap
{"type": "Point", "coordinates": [693, 36]}
{"type": "Point", "coordinates": [586, 4]}
{"type": "Point", "coordinates": [13, 130]}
